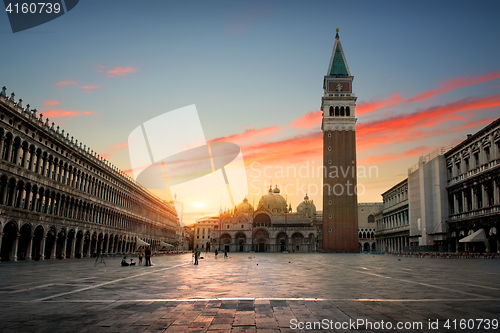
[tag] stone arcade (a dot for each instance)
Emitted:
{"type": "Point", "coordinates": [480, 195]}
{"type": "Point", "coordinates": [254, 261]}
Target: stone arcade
{"type": "Point", "coordinates": [59, 199]}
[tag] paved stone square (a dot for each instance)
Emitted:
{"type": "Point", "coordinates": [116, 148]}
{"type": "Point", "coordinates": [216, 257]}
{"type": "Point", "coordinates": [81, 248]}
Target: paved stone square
{"type": "Point", "coordinates": [249, 292]}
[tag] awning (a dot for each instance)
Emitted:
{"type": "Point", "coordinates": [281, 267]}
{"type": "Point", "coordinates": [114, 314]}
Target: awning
{"type": "Point", "coordinates": [478, 236]}
{"type": "Point", "coordinates": [163, 244]}
{"type": "Point", "coordinates": [140, 242]}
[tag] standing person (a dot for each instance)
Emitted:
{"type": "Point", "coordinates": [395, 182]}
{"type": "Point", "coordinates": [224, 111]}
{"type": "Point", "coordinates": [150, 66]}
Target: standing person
{"type": "Point", "coordinates": [225, 253]}
{"type": "Point", "coordinates": [216, 253]}
{"type": "Point", "coordinates": [148, 257]}
{"type": "Point", "coordinates": [196, 255]}
{"type": "Point", "coordinates": [140, 258]}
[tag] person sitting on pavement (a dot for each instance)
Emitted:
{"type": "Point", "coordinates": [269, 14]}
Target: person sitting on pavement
{"type": "Point", "coordinates": [124, 262]}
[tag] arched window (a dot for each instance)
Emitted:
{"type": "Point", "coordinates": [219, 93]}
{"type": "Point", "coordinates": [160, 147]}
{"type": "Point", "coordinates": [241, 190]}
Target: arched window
{"type": "Point", "coordinates": [347, 111]}
{"type": "Point", "coordinates": [337, 111]}
{"type": "Point", "coordinates": [342, 111]}
{"type": "Point", "coordinates": [331, 111]}
{"type": "Point", "coordinates": [371, 219]}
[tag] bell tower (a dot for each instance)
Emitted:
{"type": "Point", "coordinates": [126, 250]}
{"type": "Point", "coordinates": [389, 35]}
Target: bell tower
{"type": "Point", "coordinates": [340, 200]}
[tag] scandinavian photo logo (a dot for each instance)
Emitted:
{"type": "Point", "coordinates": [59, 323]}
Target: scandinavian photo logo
{"type": "Point", "coordinates": [169, 152]}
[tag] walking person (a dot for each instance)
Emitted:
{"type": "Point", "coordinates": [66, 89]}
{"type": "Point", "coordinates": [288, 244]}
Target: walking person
{"type": "Point", "coordinates": [216, 253]}
{"type": "Point", "coordinates": [225, 253]}
{"type": "Point", "coordinates": [148, 257]}
{"type": "Point", "coordinates": [140, 259]}
{"type": "Point", "coordinates": [196, 255]}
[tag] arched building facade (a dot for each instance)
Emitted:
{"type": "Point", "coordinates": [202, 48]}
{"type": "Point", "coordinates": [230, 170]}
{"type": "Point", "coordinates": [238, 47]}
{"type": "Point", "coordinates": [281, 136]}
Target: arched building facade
{"type": "Point", "coordinates": [270, 227]}
{"type": "Point", "coordinates": [59, 199]}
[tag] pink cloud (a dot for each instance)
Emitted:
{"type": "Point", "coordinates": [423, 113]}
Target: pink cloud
{"type": "Point", "coordinates": [46, 103]}
{"type": "Point", "coordinates": [112, 149]}
{"type": "Point", "coordinates": [454, 83]}
{"type": "Point", "coordinates": [309, 120]}
{"type": "Point", "coordinates": [61, 84]}
{"type": "Point", "coordinates": [447, 85]}
{"type": "Point", "coordinates": [250, 135]}
{"type": "Point", "coordinates": [245, 20]}
{"type": "Point", "coordinates": [408, 127]}
{"type": "Point", "coordinates": [51, 113]}
{"type": "Point", "coordinates": [88, 89]}
{"type": "Point", "coordinates": [121, 71]}
{"type": "Point", "coordinates": [378, 103]}
{"type": "Point", "coordinates": [375, 159]}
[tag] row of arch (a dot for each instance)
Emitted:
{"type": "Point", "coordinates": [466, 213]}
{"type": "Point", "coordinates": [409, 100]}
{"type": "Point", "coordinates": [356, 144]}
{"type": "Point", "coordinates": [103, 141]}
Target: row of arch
{"type": "Point", "coordinates": [297, 242]}
{"type": "Point", "coordinates": [51, 242]}
{"type": "Point", "coordinates": [367, 247]}
{"type": "Point", "coordinates": [339, 111]}
{"type": "Point", "coordinates": [34, 159]}
{"type": "Point", "coordinates": [36, 198]}
{"type": "Point", "coordinates": [366, 235]}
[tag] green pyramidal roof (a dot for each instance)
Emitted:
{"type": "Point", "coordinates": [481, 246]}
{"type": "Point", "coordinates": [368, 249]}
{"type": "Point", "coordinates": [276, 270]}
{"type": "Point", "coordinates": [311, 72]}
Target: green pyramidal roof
{"type": "Point", "coordinates": [338, 66]}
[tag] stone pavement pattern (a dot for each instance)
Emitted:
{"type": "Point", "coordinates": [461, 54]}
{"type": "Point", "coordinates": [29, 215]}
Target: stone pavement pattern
{"type": "Point", "coordinates": [248, 292]}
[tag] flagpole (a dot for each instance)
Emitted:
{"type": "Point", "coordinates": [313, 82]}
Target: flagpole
{"type": "Point", "coordinates": [253, 216]}
{"type": "Point", "coordinates": [286, 237]}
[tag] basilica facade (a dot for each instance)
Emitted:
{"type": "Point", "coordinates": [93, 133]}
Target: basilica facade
{"type": "Point", "coordinates": [59, 199]}
{"type": "Point", "coordinates": [270, 226]}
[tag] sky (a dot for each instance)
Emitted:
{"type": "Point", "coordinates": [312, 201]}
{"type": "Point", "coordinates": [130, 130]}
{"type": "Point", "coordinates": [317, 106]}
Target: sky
{"type": "Point", "coordinates": [425, 74]}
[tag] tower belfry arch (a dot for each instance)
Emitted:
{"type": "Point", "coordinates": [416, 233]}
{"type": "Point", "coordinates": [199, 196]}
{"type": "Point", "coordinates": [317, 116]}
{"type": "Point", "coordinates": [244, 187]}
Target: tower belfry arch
{"type": "Point", "coordinates": [340, 220]}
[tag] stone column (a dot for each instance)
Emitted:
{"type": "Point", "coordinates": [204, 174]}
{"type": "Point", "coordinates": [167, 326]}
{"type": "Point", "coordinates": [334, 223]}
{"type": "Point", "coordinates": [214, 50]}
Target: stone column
{"type": "Point", "coordinates": [30, 164]}
{"type": "Point", "coordinates": [465, 207]}
{"type": "Point", "coordinates": [1, 145]}
{"type": "Point", "coordinates": [5, 192]}
{"type": "Point", "coordinates": [49, 169]}
{"type": "Point", "coordinates": [54, 248]}
{"type": "Point", "coordinates": [37, 165]}
{"type": "Point", "coordinates": [88, 249]}
{"type": "Point", "coordinates": [23, 159]}
{"type": "Point", "coordinates": [82, 242]}
{"type": "Point", "coordinates": [64, 247]}
{"type": "Point", "coordinates": [494, 183]}
{"type": "Point", "coordinates": [30, 246]}
{"type": "Point", "coordinates": [474, 198]}
{"type": "Point", "coordinates": [483, 195]}
{"type": "Point", "coordinates": [73, 247]}
{"type": "Point", "coordinates": [456, 209]}
{"type": "Point", "coordinates": [28, 199]}
{"type": "Point", "coordinates": [94, 250]}
{"type": "Point", "coordinates": [15, 243]}
{"type": "Point", "coordinates": [42, 249]}
{"type": "Point", "coordinates": [18, 154]}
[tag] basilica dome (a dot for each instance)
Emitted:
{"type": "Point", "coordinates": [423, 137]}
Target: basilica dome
{"type": "Point", "coordinates": [307, 207]}
{"type": "Point", "coordinates": [273, 201]}
{"type": "Point", "coordinates": [244, 207]}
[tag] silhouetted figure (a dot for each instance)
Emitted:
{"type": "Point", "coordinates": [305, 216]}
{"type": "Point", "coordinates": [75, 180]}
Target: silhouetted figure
{"type": "Point", "coordinates": [147, 254]}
